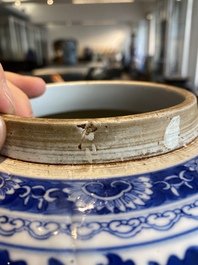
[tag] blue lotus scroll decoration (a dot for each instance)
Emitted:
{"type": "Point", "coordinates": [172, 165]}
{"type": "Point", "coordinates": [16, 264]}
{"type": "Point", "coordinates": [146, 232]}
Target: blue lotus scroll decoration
{"type": "Point", "coordinates": [8, 185]}
{"type": "Point", "coordinates": [174, 182]}
{"type": "Point", "coordinates": [101, 196]}
{"type": "Point", "coordinates": [116, 195]}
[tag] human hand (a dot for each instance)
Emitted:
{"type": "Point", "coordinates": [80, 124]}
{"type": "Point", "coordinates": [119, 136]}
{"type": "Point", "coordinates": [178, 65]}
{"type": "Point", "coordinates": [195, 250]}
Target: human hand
{"type": "Point", "coordinates": [15, 91]}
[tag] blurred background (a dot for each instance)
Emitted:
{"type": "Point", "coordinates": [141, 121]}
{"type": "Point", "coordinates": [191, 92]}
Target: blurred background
{"type": "Point", "coordinates": [147, 40]}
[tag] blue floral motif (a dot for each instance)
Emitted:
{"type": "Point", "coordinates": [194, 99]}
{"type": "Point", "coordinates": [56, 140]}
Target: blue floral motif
{"type": "Point", "coordinates": [96, 197]}
{"type": "Point", "coordinates": [191, 258]}
{"type": "Point", "coordinates": [101, 196]}
{"type": "Point", "coordinates": [174, 182]}
{"type": "Point", "coordinates": [53, 261]}
{"type": "Point", "coordinates": [8, 185]}
{"type": "Point", "coordinates": [5, 259]}
{"type": "Point", "coordinates": [192, 165]}
{"type": "Point", "coordinates": [114, 259]}
{"type": "Point", "coordinates": [114, 196]}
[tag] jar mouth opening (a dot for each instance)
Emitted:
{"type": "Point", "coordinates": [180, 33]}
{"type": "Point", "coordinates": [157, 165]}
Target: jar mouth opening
{"type": "Point", "coordinates": [84, 100]}
{"type": "Point", "coordinates": [167, 119]}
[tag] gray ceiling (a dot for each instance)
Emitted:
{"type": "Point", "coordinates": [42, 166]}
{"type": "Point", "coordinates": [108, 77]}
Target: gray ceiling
{"type": "Point", "coordinates": [6, 8]}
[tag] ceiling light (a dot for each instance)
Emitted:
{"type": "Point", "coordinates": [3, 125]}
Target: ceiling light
{"type": "Point", "coordinates": [149, 16]}
{"type": "Point", "coordinates": [50, 2]}
{"type": "Point", "coordinates": [17, 3]}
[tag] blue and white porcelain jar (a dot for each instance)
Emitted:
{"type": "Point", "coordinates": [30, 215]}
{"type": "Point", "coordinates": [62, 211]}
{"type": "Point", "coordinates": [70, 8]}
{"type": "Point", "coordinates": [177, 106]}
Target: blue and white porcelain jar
{"type": "Point", "coordinates": [119, 190]}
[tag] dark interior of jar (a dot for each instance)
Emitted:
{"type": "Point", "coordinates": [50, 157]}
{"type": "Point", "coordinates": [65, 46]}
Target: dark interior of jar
{"type": "Point", "coordinates": [91, 113]}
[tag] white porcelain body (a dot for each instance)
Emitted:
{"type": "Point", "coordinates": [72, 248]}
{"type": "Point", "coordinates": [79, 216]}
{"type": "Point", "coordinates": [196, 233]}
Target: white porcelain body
{"type": "Point", "coordinates": [137, 212]}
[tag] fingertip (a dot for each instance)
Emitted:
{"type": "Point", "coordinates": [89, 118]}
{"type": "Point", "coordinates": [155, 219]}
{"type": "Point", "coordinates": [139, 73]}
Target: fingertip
{"type": "Point", "coordinates": [41, 85]}
{"type": "Point", "coordinates": [32, 86]}
{"type": "Point", "coordinates": [38, 87]}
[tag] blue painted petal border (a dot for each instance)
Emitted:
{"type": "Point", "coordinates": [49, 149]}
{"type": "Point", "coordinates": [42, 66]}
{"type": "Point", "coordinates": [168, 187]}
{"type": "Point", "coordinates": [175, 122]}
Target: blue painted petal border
{"type": "Point", "coordinates": [102, 196]}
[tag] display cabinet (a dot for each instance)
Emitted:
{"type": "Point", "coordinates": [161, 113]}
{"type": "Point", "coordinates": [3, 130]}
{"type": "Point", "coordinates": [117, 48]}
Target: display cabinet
{"type": "Point", "coordinates": [21, 41]}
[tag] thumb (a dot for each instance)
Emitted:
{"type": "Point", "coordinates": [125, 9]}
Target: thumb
{"type": "Point", "coordinates": [2, 132]}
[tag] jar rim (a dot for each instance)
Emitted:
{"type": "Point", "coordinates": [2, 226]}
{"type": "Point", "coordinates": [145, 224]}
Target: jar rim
{"type": "Point", "coordinates": [104, 140]}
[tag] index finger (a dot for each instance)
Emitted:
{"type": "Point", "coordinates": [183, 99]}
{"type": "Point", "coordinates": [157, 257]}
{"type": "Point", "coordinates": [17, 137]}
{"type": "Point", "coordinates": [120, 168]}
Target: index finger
{"type": "Point", "coordinates": [30, 85]}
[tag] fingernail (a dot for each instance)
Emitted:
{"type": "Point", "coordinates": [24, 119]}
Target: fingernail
{"type": "Point", "coordinates": [7, 104]}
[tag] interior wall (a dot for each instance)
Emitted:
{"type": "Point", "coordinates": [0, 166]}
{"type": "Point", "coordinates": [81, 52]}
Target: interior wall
{"type": "Point", "coordinates": [101, 39]}
{"type": "Point", "coordinates": [66, 21]}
